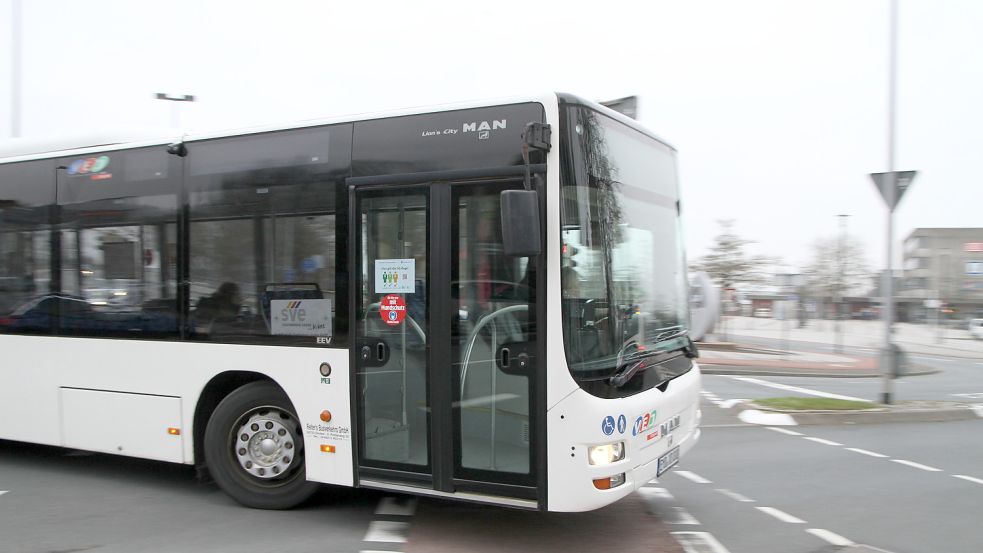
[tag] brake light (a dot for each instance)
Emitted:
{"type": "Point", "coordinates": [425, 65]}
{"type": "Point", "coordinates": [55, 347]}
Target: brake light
{"type": "Point", "coordinates": [7, 320]}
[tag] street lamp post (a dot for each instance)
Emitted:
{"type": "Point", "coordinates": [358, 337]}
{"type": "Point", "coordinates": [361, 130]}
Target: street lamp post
{"type": "Point", "coordinates": [840, 277]}
{"type": "Point", "coordinates": [175, 100]}
{"type": "Point", "coordinates": [15, 69]}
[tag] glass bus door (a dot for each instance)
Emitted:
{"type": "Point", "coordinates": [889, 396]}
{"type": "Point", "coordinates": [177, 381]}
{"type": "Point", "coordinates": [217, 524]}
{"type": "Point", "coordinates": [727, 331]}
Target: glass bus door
{"type": "Point", "coordinates": [444, 341]}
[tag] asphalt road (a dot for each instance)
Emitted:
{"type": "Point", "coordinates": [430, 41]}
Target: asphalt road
{"type": "Point", "coordinates": [957, 379]}
{"type": "Point", "coordinates": [899, 487]}
{"type": "Point", "coordinates": [59, 501]}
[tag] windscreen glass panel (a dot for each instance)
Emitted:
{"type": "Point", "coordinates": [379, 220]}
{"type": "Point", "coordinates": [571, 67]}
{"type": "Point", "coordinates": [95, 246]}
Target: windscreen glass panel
{"type": "Point", "coordinates": [623, 268]}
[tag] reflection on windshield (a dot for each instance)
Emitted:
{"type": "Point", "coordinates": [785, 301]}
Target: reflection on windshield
{"type": "Point", "coordinates": [623, 270]}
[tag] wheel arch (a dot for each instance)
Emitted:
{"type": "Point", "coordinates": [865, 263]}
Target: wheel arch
{"type": "Point", "coordinates": [220, 386]}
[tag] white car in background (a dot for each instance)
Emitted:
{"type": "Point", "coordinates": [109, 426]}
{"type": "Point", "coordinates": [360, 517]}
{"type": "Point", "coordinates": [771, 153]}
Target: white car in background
{"type": "Point", "coordinates": [976, 328]}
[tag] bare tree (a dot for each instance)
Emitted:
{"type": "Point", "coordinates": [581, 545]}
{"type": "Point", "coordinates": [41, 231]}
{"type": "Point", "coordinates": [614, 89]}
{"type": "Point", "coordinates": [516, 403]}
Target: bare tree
{"type": "Point", "coordinates": [838, 267]}
{"type": "Point", "coordinates": [728, 263]}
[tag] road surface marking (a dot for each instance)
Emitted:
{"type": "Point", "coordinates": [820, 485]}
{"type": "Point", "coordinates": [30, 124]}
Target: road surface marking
{"type": "Point", "coordinates": [387, 531]}
{"type": "Point", "coordinates": [797, 389]}
{"type": "Point", "coordinates": [730, 403]}
{"type": "Point", "coordinates": [2, 492]}
{"type": "Point", "coordinates": [398, 506]}
{"type": "Point", "coordinates": [659, 493]}
{"type": "Point", "coordinates": [781, 515]}
{"type": "Point", "coordinates": [822, 441]}
{"type": "Point", "coordinates": [865, 452]}
{"type": "Point", "coordinates": [832, 538]}
{"type": "Point", "coordinates": [970, 396]}
{"type": "Point", "coordinates": [916, 465]}
{"type": "Point", "coordinates": [681, 518]}
{"type": "Point", "coordinates": [699, 542]}
{"type": "Point", "coordinates": [784, 431]}
{"type": "Point", "coordinates": [970, 478]}
{"type": "Point", "coordinates": [978, 408]}
{"type": "Point", "coordinates": [735, 496]}
{"type": "Point", "coordinates": [692, 476]}
{"type": "Point", "coordinates": [753, 416]}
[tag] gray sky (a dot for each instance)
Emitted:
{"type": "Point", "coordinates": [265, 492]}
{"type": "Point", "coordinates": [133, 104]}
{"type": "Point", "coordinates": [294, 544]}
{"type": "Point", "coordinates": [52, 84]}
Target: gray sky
{"type": "Point", "coordinates": [778, 108]}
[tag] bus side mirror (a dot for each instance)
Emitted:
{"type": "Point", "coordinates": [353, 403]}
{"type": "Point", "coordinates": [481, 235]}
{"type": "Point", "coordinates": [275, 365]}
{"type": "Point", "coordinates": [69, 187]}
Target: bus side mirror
{"type": "Point", "coordinates": [520, 223]}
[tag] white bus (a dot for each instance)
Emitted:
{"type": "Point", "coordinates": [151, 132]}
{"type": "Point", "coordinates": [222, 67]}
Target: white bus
{"type": "Point", "coordinates": [485, 302]}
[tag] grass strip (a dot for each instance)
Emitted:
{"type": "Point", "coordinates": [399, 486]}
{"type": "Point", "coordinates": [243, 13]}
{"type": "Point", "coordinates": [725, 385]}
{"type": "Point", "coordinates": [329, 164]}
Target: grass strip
{"type": "Point", "coordinates": [814, 403]}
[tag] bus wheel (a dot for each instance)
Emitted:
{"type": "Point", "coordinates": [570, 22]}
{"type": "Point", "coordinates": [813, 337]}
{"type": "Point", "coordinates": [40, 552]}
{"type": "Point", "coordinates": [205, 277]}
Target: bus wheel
{"type": "Point", "coordinates": [254, 448]}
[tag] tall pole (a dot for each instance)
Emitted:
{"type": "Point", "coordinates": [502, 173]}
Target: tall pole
{"type": "Point", "coordinates": [888, 355]}
{"type": "Point", "coordinates": [840, 277]}
{"type": "Point", "coordinates": [15, 69]}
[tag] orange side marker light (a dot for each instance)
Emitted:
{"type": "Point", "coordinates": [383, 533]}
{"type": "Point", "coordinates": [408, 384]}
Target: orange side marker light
{"type": "Point", "coordinates": [174, 431]}
{"type": "Point", "coordinates": [327, 448]}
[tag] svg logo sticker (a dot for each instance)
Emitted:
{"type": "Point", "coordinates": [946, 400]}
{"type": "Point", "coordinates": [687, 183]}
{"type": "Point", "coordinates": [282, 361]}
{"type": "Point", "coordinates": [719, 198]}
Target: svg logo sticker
{"type": "Point", "coordinates": [622, 424]}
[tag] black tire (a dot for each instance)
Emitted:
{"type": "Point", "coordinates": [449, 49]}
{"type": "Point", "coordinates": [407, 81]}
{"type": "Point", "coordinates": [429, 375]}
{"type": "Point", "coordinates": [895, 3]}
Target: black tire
{"type": "Point", "coordinates": [227, 453]}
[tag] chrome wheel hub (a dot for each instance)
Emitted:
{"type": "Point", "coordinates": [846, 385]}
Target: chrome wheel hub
{"type": "Point", "coordinates": [265, 444]}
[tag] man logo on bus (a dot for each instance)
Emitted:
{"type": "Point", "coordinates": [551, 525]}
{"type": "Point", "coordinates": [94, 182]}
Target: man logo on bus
{"type": "Point", "coordinates": [477, 126]}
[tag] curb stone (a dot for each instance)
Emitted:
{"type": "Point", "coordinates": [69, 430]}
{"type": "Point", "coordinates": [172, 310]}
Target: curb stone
{"type": "Point", "coordinates": [956, 412]}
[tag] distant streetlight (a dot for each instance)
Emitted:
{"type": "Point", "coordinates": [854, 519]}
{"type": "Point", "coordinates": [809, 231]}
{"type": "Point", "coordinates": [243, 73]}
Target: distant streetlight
{"type": "Point", "coordinates": [175, 113]}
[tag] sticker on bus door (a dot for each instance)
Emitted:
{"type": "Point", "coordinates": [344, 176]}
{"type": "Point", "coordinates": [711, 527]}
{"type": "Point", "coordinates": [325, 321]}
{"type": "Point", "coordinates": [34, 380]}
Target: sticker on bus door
{"type": "Point", "coordinates": [395, 275]}
{"type": "Point", "coordinates": [392, 309]}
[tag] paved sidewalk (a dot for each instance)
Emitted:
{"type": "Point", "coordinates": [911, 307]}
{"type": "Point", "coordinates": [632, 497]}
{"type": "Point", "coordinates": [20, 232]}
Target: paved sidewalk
{"type": "Point", "coordinates": [731, 358]}
{"type": "Point", "coordinates": [913, 338]}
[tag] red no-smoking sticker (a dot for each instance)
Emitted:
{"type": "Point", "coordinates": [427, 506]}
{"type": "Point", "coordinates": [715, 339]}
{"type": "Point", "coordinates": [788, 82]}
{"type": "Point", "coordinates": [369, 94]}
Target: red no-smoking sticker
{"type": "Point", "coordinates": [392, 308]}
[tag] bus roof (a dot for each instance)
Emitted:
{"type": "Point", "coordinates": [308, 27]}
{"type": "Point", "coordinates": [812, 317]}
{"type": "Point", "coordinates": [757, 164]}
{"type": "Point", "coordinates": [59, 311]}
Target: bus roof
{"type": "Point", "coordinates": [24, 149]}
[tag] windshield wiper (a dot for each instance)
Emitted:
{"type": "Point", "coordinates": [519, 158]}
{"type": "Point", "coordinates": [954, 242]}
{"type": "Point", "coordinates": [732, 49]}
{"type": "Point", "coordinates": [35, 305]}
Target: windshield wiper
{"type": "Point", "coordinates": [629, 367]}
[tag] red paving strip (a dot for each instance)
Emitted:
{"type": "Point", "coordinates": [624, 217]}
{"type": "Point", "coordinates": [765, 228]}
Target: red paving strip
{"type": "Point", "coordinates": [856, 363]}
{"type": "Point", "coordinates": [451, 527]}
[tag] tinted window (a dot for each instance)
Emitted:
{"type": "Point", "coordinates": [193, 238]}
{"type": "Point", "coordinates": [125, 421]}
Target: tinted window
{"type": "Point", "coordinates": [267, 215]}
{"type": "Point", "coordinates": [26, 193]}
{"type": "Point", "coordinates": [117, 230]}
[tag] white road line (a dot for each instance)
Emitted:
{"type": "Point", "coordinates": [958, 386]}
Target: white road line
{"type": "Point", "coordinates": [964, 477]}
{"type": "Point", "coordinates": [692, 476]}
{"type": "Point", "coordinates": [2, 492]}
{"type": "Point", "coordinates": [699, 542]}
{"type": "Point", "coordinates": [655, 493]}
{"type": "Point", "coordinates": [387, 531]}
{"type": "Point", "coordinates": [681, 518]}
{"type": "Point", "coordinates": [916, 465]}
{"type": "Point", "coordinates": [796, 389]}
{"type": "Point", "coordinates": [753, 416]}
{"type": "Point", "coordinates": [735, 496]}
{"type": "Point", "coordinates": [655, 498]}
{"type": "Point", "coordinates": [832, 538]}
{"type": "Point", "coordinates": [821, 441]}
{"type": "Point", "coordinates": [781, 515]}
{"type": "Point", "coordinates": [865, 452]}
{"type": "Point", "coordinates": [784, 431]}
{"type": "Point", "coordinates": [731, 402]}
{"type": "Point", "coordinates": [398, 506]}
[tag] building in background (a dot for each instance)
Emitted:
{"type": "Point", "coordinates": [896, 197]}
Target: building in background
{"type": "Point", "coordinates": [943, 274]}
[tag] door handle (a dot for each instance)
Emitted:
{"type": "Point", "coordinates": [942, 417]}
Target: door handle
{"type": "Point", "coordinates": [505, 357]}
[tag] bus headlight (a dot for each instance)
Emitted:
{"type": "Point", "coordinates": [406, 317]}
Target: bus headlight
{"type": "Point", "coordinates": [606, 454]}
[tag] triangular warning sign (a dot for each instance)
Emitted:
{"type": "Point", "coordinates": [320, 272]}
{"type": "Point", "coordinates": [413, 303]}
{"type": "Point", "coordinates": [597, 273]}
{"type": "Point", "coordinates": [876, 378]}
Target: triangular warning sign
{"type": "Point", "coordinates": [902, 182]}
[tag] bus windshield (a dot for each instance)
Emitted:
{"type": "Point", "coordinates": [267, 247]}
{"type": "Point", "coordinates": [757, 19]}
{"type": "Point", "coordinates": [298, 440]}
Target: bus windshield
{"type": "Point", "coordinates": [623, 273]}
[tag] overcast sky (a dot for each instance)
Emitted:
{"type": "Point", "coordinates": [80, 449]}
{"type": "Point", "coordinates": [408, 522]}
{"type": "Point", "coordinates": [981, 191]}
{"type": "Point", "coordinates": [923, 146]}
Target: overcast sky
{"type": "Point", "coordinates": [778, 108]}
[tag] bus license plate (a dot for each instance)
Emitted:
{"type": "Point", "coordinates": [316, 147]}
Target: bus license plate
{"type": "Point", "coordinates": [667, 461]}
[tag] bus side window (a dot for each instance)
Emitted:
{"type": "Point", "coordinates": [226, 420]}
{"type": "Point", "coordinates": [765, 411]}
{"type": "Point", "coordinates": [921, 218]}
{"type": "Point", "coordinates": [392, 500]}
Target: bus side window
{"type": "Point", "coordinates": [264, 218]}
{"type": "Point", "coordinates": [27, 193]}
